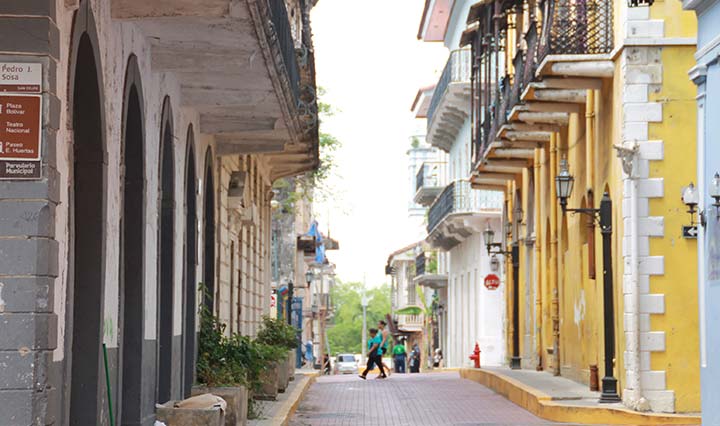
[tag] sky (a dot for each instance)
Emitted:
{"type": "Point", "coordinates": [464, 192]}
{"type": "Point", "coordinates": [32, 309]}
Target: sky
{"type": "Point", "coordinates": [370, 63]}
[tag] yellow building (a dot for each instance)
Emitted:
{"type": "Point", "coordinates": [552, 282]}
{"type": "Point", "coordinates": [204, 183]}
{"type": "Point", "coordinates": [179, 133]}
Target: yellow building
{"type": "Point", "coordinates": [602, 88]}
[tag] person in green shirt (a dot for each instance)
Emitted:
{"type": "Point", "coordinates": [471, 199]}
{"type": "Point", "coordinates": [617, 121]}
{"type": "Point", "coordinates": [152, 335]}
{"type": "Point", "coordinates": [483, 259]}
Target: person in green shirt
{"type": "Point", "coordinates": [374, 355]}
{"type": "Point", "coordinates": [399, 357]}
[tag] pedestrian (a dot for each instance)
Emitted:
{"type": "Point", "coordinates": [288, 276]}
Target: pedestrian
{"type": "Point", "coordinates": [437, 358]}
{"type": "Point", "coordinates": [399, 356]}
{"type": "Point", "coordinates": [374, 355]}
{"type": "Point", "coordinates": [415, 359]}
{"type": "Point", "coordinates": [385, 334]}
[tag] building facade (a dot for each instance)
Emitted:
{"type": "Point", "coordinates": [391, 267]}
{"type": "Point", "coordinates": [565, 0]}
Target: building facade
{"type": "Point", "coordinates": [591, 93]}
{"type": "Point", "coordinates": [457, 215]}
{"type": "Point", "coordinates": [706, 75]}
{"type": "Point", "coordinates": [162, 129]}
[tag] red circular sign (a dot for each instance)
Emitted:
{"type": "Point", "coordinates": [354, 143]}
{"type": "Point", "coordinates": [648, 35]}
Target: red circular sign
{"type": "Point", "coordinates": [492, 282]}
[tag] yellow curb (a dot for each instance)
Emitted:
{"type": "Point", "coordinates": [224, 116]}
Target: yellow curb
{"type": "Point", "coordinates": [286, 411]}
{"type": "Point", "coordinates": [543, 406]}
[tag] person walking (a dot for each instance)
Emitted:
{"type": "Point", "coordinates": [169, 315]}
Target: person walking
{"type": "Point", "coordinates": [399, 357]}
{"type": "Point", "coordinates": [374, 355]}
{"type": "Point", "coordinates": [415, 359]}
{"type": "Point", "coordinates": [385, 334]}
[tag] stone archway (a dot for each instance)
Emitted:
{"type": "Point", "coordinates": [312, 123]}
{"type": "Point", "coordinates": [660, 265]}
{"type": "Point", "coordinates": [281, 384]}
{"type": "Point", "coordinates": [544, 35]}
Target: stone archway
{"type": "Point", "coordinates": [190, 282]}
{"type": "Point", "coordinates": [87, 229]}
{"type": "Point", "coordinates": [132, 251]}
{"type": "Point", "coordinates": [166, 249]}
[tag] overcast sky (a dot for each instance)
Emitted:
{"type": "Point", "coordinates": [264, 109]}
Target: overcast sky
{"type": "Point", "coordinates": [371, 65]}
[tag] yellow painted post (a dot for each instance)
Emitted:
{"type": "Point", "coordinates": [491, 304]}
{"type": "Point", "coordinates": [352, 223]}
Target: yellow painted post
{"type": "Point", "coordinates": [555, 308]}
{"type": "Point", "coordinates": [537, 220]}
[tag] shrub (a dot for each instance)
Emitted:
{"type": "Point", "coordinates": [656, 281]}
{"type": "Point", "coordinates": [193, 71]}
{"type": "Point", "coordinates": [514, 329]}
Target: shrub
{"type": "Point", "coordinates": [276, 332]}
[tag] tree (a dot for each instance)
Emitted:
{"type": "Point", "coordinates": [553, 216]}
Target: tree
{"type": "Point", "coordinates": [345, 332]}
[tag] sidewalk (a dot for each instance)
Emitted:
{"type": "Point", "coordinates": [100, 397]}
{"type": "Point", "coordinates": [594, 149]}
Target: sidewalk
{"type": "Point", "coordinates": [563, 400]}
{"type": "Point", "coordinates": [279, 412]}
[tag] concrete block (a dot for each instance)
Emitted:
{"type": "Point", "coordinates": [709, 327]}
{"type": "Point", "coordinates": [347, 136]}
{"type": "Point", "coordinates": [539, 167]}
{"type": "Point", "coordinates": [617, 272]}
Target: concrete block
{"type": "Point", "coordinates": [651, 188]}
{"type": "Point", "coordinates": [652, 341]}
{"type": "Point", "coordinates": [27, 218]}
{"type": "Point", "coordinates": [643, 111]}
{"type": "Point", "coordinates": [638, 13]}
{"type": "Point", "coordinates": [635, 56]}
{"type": "Point", "coordinates": [651, 150]}
{"type": "Point", "coordinates": [643, 282]}
{"type": "Point", "coordinates": [653, 226]}
{"type": "Point", "coordinates": [654, 28]}
{"type": "Point", "coordinates": [28, 35]}
{"type": "Point", "coordinates": [652, 265]}
{"type": "Point", "coordinates": [652, 304]}
{"type": "Point", "coordinates": [644, 320]}
{"type": "Point", "coordinates": [661, 401]}
{"type": "Point", "coordinates": [16, 407]}
{"type": "Point", "coordinates": [635, 93]}
{"type": "Point", "coordinates": [635, 131]}
{"type": "Point", "coordinates": [643, 74]}
{"type": "Point", "coordinates": [36, 256]}
{"type": "Point", "coordinates": [652, 380]}
{"type": "Point", "coordinates": [643, 209]}
{"type": "Point", "coordinates": [28, 7]}
{"type": "Point", "coordinates": [26, 332]}
{"type": "Point", "coordinates": [26, 294]}
{"type": "Point", "coordinates": [643, 248]}
{"type": "Point", "coordinates": [45, 189]}
{"type": "Point", "coordinates": [24, 370]}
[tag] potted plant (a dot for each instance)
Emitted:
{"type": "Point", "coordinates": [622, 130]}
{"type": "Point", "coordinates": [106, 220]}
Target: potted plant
{"type": "Point", "coordinates": [282, 337]}
{"type": "Point", "coordinates": [223, 367]}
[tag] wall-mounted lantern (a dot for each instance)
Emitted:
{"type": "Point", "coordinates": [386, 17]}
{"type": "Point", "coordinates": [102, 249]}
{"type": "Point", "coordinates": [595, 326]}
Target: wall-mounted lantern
{"type": "Point", "coordinates": [309, 277]}
{"type": "Point", "coordinates": [690, 199]}
{"type": "Point", "coordinates": [490, 243]}
{"type": "Point", "coordinates": [714, 190]}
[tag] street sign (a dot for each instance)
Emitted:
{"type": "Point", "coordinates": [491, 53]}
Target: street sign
{"type": "Point", "coordinates": [492, 282]}
{"type": "Point", "coordinates": [20, 120]}
{"type": "Point", "coordinates": [690, 231]}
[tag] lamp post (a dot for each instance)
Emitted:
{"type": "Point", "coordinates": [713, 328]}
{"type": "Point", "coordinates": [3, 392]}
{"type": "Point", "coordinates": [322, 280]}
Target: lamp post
{"type": "Point", "coordinates": [603, 216]}
{"type": "Point", "coordinates": [364, 302]}
{"type": "Point", "coordinates": [514, 253]}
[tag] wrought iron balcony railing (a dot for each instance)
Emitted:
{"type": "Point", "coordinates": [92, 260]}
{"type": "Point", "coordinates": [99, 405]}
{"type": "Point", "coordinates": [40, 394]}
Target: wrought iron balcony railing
{"type": "Point", "coordinates": [429, 175]}
{"type": "Point", "coordinates": [281, 23]}
{"type": "Point", "coordinates": [459, 197]}
{"type": "Point", "coordinates": [565, 27]}
{"type": "Point", "coordinates": [420, 261]}
{"type": "Point", "coordinates": [457, 70]}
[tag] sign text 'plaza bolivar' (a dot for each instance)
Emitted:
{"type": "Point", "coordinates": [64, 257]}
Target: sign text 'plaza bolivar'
{"type": "Point", "coordinates": [167, 182]}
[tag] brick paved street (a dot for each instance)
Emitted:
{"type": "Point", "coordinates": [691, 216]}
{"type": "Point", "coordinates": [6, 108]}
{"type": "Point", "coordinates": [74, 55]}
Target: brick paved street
{"type": "Point", "coordinates": [411, 399]}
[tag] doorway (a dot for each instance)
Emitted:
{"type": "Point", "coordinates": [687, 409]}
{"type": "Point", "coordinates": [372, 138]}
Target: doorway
{"type": "Point", "coordinates": [190, 284]}
{"type": "Point", "coordinates": [209, 235]}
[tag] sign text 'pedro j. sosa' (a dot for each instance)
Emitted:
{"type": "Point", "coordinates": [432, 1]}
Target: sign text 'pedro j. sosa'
{"type": "Point", "coordinates": [20, 120]}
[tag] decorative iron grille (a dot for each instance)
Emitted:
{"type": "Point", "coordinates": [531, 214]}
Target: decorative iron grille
{"type": "Point", "coordinates": [281, 23]}
{"type": "Point", "coordinates": [420, 261]}
{"type": "Point", "coordinates": [577, 27]}
{"type": "Point", "coordinates": [457, 69]}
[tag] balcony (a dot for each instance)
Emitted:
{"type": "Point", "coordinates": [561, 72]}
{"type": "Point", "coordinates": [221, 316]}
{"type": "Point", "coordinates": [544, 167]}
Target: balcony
{"type": "Point", "coordinates": [411, 323]}
{"type": "Point", "coordinates": [459, 212]}
{"type": "Point", "coordinates": [428, 182]}
{"type": "Point", "coordinates": [237, 65]}
{"type": "Point", "coordinates": [426, 272]}
{"type": "Point", "coordinates": [450, 103]}
{"type": "Point", "coordinates": [522, 100]}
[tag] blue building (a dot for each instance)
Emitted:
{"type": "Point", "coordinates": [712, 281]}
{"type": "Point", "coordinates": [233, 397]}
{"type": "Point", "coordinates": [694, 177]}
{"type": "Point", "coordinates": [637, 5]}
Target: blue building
{"type": "Point", "coordinates": [706, 74]}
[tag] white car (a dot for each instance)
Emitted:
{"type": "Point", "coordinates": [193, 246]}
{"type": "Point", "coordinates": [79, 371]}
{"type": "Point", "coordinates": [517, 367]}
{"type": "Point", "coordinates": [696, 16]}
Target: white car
{"type": "Point", "coordinates": [346, 364]}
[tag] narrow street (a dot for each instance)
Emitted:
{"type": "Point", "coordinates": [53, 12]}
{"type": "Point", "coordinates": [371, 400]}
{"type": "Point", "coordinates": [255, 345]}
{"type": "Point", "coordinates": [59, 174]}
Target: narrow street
{"type": "Point", "coordinates": [407, 399]}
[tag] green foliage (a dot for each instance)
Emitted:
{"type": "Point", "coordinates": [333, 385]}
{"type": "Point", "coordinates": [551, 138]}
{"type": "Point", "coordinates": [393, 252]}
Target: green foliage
{"type": "Point", "coordinates": [276, 332]}
{"type": "Point", "coordinates": [345, 334]}
{"type": "Point", "coordinates": [234, 360]}
{"type": "Point", "coordinates": [415, 142]}
{"type": "Point", "coordinates": [432, 264]}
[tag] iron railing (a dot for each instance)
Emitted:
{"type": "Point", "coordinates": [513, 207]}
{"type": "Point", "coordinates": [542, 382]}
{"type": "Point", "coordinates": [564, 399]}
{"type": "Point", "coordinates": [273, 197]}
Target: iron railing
{"type": "Point", "coordinates": [429, 175]}
{"type": "Point", "coordinates": [457, 70]}
{"type": "Point", "coordinates": [420, 261]}
{"type": "Point", "coordinates": [459, 197]}
{"type": "Point", "coordinates": [564, 27]}
{"type": "Point", "coordinates": [281, 23]}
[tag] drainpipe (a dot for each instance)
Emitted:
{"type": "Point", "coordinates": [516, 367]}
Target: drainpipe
{"type": "Point", "coordinates": [538, 256]}
{"type": "Point", "coordinates": [590, 139]}
{"type": "Point", "coordinates": [554, 307]}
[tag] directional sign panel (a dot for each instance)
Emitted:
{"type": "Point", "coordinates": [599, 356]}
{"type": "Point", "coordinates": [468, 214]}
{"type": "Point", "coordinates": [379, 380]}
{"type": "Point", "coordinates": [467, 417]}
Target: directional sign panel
{"type": "Point", "coordinates": [689, 231]}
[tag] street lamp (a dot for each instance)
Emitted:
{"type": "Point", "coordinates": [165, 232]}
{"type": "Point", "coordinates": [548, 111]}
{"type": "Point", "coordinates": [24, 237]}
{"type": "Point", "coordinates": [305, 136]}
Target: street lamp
{"type": "Point", "coordinates": [490, 243]}
{"type": "Point", "coordinates": [715, 194]}
{"type": "Point", "coordinates": [603, 216]}
{"type": "Point", "coordinates": [690, 199]}
{"type": "Point", "coordinates": [638, 3]}
{"type": "Point", "coordinates": [309, 276]}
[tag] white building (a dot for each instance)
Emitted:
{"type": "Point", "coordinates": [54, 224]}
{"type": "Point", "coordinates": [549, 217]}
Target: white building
{"type": "Point", "coordinates": [468, 311]}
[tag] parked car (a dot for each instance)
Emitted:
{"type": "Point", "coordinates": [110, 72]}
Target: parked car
{"type": "Point", "coordinates": [346, 364]}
